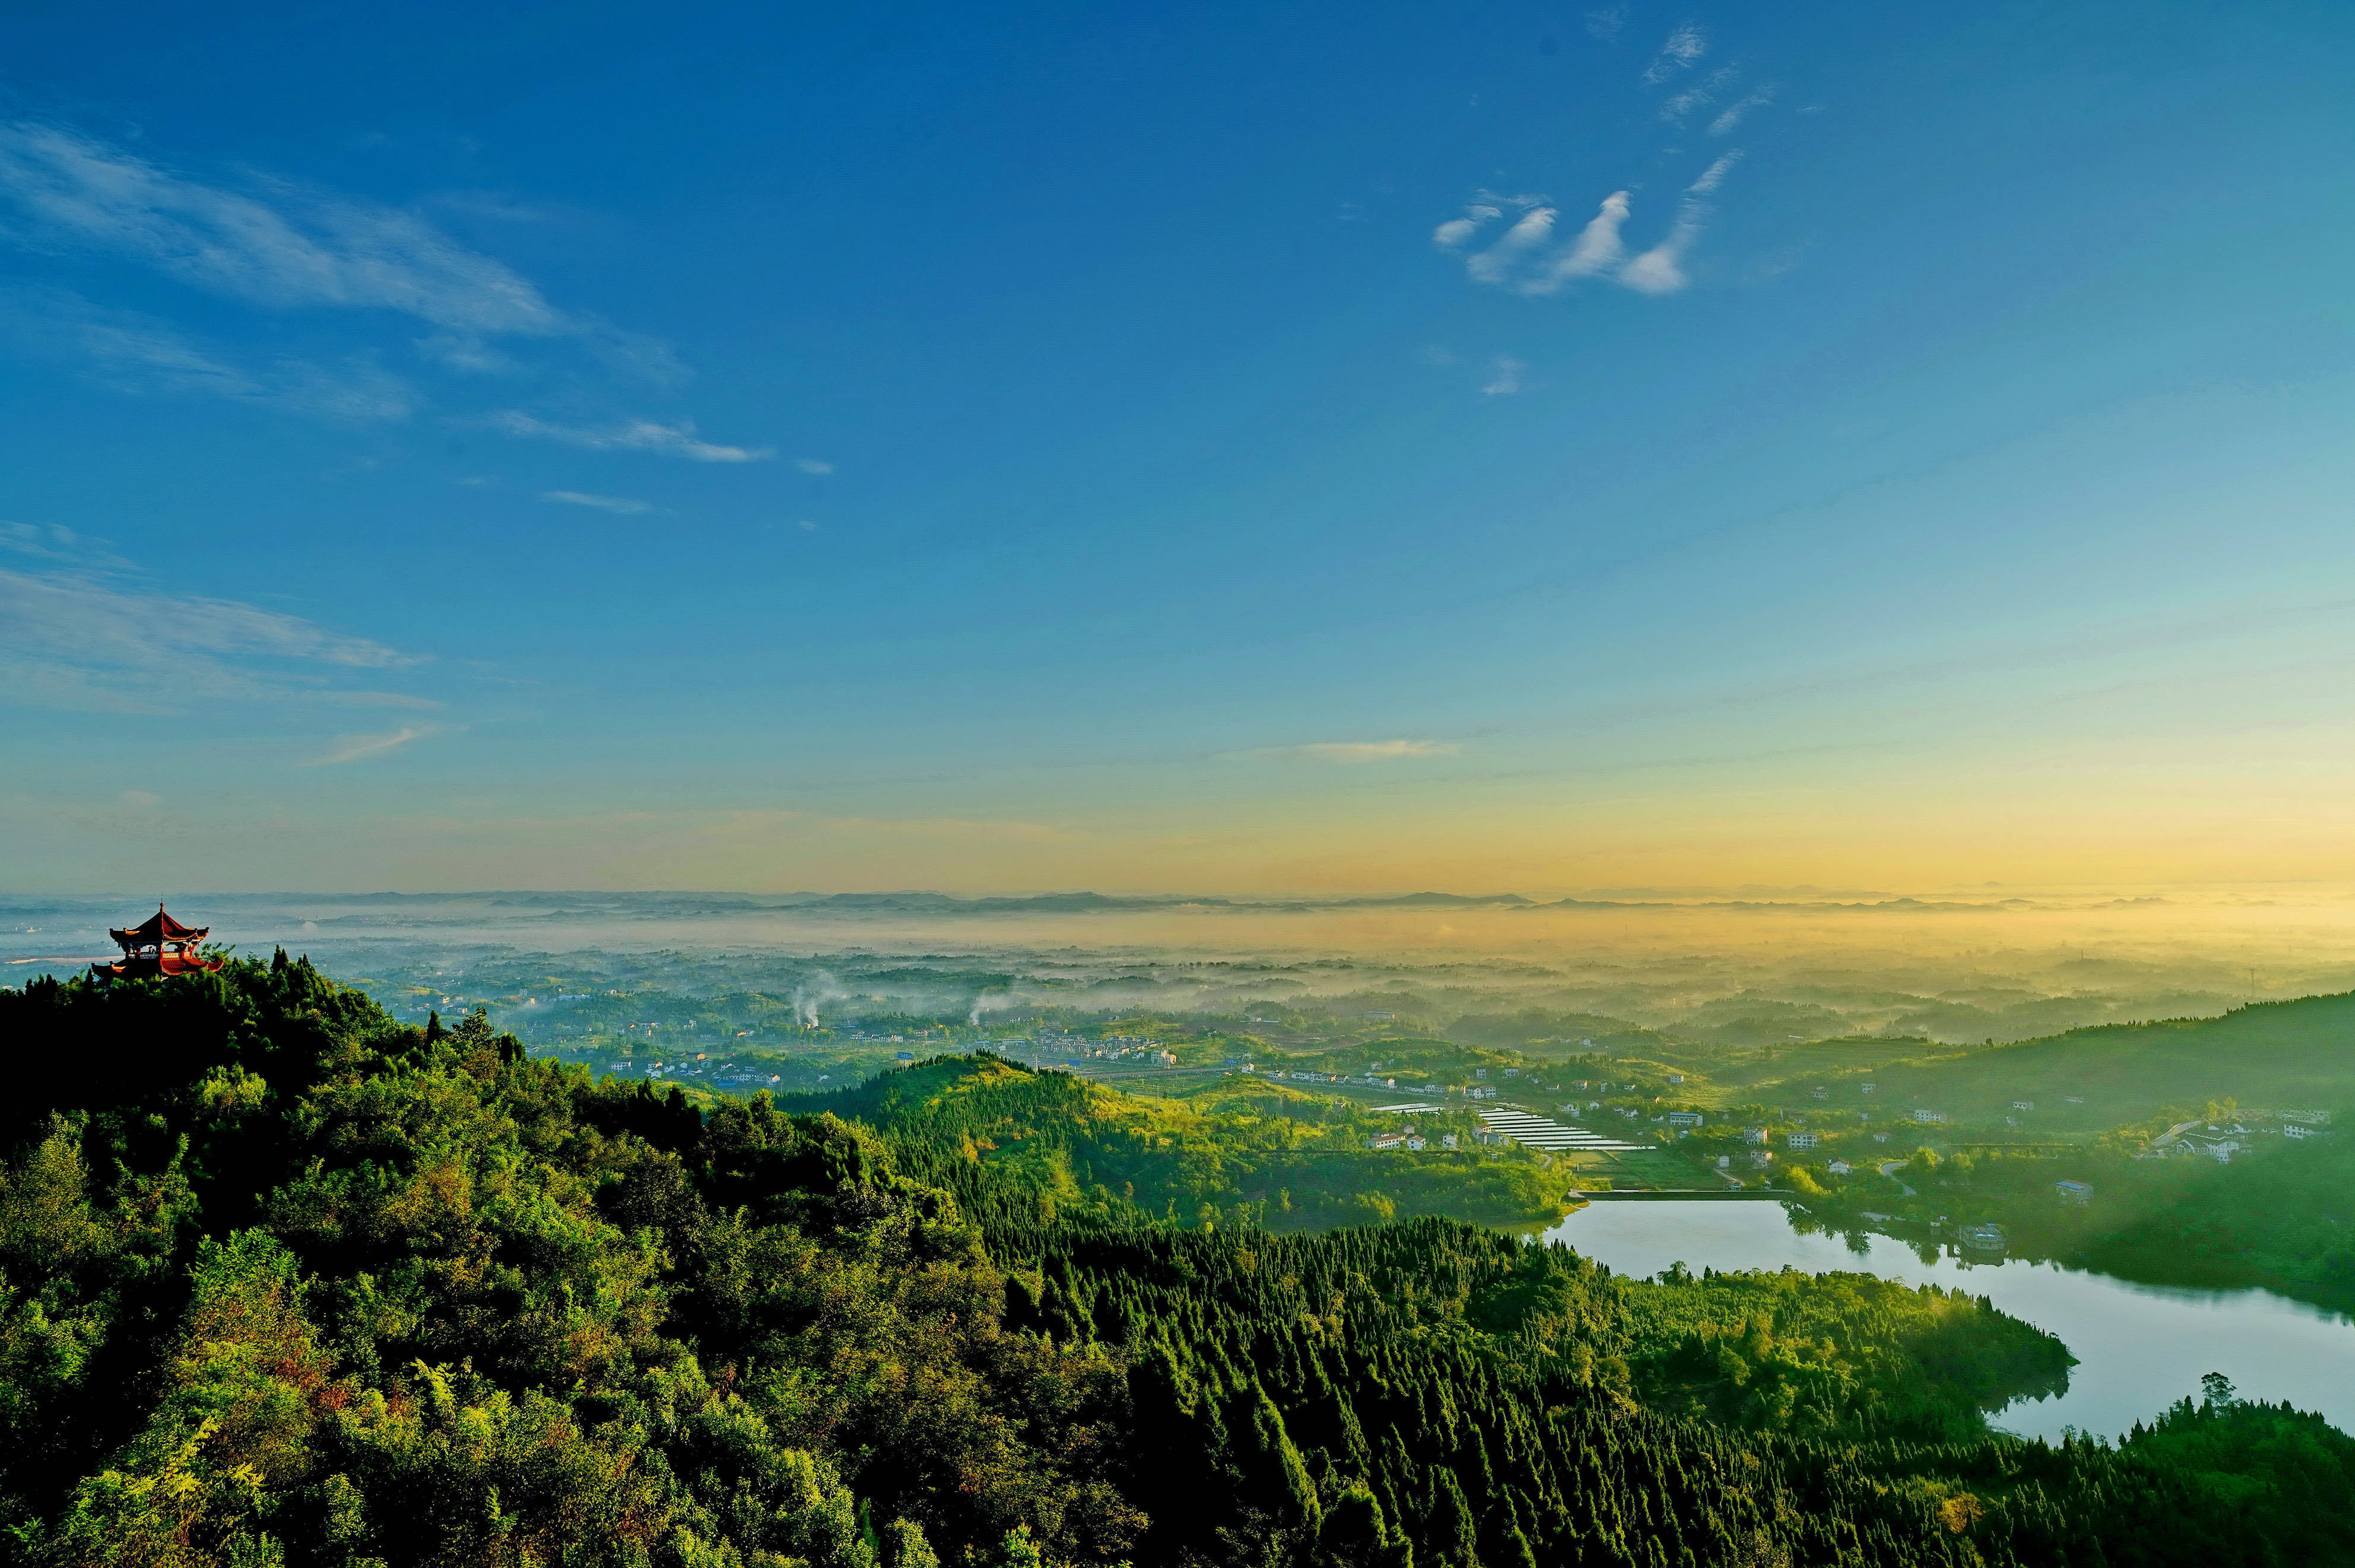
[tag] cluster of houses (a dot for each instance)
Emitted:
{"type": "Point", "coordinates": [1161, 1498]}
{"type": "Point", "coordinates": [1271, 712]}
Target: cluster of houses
{"type": "Point", "coordinates": [1363, 1080]}
{"type": "Point", "coordinates": [1412, 1143]}
{"type": "Point", "coordinates": [1415, 1142]}
{"type": "Point", "coordinates": [2237, 1133]}
{"type": "Point", "coordinates": [1124, 1047]}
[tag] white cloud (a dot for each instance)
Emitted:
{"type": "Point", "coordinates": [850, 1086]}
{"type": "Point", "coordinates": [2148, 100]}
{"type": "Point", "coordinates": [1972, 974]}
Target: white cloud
{"type": "Point", "coordinates": [1738, 112]}
{"type": "Point", "coordinates": [1606, 25]}
{"type": "Point", "coordinates": [357, 747]}
{"type": "Point", "coordinates": [630, 435]}
{"type": "Point", "coordinates": [621, 505]}
{"type": "Point", "coordinates": [1684, 45]}
{"type": "Point", "coordinates": [1526, 262]}
{"type": "Point", "coordinates": [1352, 751]}
{"type": "Point", "coordinates": [1452, 234]}
{"type": "Point", "coordinates": [812, 465]}
{"type": "Point", "coordinates": [1594, 253]}
{"type": "Point", "coordinates": [277, 245]}
{"type": "Point", "coordinates": [1497, 263]}
{"type": "Point", "coordinates": [1660, 270]}
{"type": "Point", "coordinates": [70, 641]}
{"type": "Point", "coordinates": [1505, 376]}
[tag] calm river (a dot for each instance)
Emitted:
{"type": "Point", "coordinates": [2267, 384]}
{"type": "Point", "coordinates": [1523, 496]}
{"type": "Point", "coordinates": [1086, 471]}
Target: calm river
{"type": "Point", "coordinates": [2139, 1347]}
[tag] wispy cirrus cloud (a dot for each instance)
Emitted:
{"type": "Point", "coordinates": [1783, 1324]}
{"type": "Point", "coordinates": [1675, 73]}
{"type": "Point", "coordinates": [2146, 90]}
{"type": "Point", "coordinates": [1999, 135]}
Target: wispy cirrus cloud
{"type": "Point", "coordinates": [134, 353]}
{"type": "Point", "coordinates": [814, 465]}
{"type": "Point", "coordinates": [1348, 751]}
{"type": "Point", "coordinates": [1507, 375]}
{"type": "Point", "coordinates": [277, 245]}
{"type": "Point", "coordinates": [70, 640]}
{"type": "Point", "coordinates": [53, 542]}
{"type": "Point", "coordinates": [629, 435]}
{"type": "Point", "coordinates": [1736, 112]}
{"type": "Point", "coordinates": [1683, 48]}
{"type": "Point", "coordinates": [619, 505]}
{"type": "Point", "coordinates": [1700, 95]}
{"type": "Point", "coordinates": [359, 747]}
{"type": "Point", "coordinates": [1714, 175]}
{"type": "Point", "coordinates": [285, 247]}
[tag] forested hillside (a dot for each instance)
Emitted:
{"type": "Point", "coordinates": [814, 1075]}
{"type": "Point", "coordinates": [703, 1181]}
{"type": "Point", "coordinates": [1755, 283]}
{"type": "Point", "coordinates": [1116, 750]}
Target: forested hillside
{"type": "Point", "coordinates": [288, 1282]}
{"type": "Point", "coordinates": [2270, 1053]}
{"type": "Point", "coordinates": [993, 1132]}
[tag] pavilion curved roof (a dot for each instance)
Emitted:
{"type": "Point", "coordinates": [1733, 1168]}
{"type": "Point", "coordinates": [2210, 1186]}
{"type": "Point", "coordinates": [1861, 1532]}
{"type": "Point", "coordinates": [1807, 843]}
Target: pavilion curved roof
{"type": "Point", "coordinates": [159, 927]}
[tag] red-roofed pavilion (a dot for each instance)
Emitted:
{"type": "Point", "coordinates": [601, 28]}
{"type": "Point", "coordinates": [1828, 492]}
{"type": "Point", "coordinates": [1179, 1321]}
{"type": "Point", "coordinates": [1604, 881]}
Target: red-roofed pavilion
{"type": "Point", "coordinates": [161, 946]}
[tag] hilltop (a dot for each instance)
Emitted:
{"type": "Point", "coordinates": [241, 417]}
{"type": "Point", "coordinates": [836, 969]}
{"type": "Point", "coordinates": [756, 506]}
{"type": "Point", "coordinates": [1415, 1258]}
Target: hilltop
{"type": "Point", "coordinates": [1238, 1151]}
{"type": "Point", "coordinates": [2274, 1054]}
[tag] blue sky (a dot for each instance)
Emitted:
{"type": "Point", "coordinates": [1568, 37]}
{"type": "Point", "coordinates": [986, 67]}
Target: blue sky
{"type": "Point", "coordinates": [1222, 448]}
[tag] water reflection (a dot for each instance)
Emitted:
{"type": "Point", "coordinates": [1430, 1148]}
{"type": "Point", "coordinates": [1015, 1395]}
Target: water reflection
{"type": "Point", "coordinates": [2139, 1347]}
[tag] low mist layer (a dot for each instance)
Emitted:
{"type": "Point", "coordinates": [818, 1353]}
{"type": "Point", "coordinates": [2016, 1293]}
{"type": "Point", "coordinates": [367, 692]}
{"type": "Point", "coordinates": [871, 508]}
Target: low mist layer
{"type": "Point", "coordinates": [1748, 970]}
